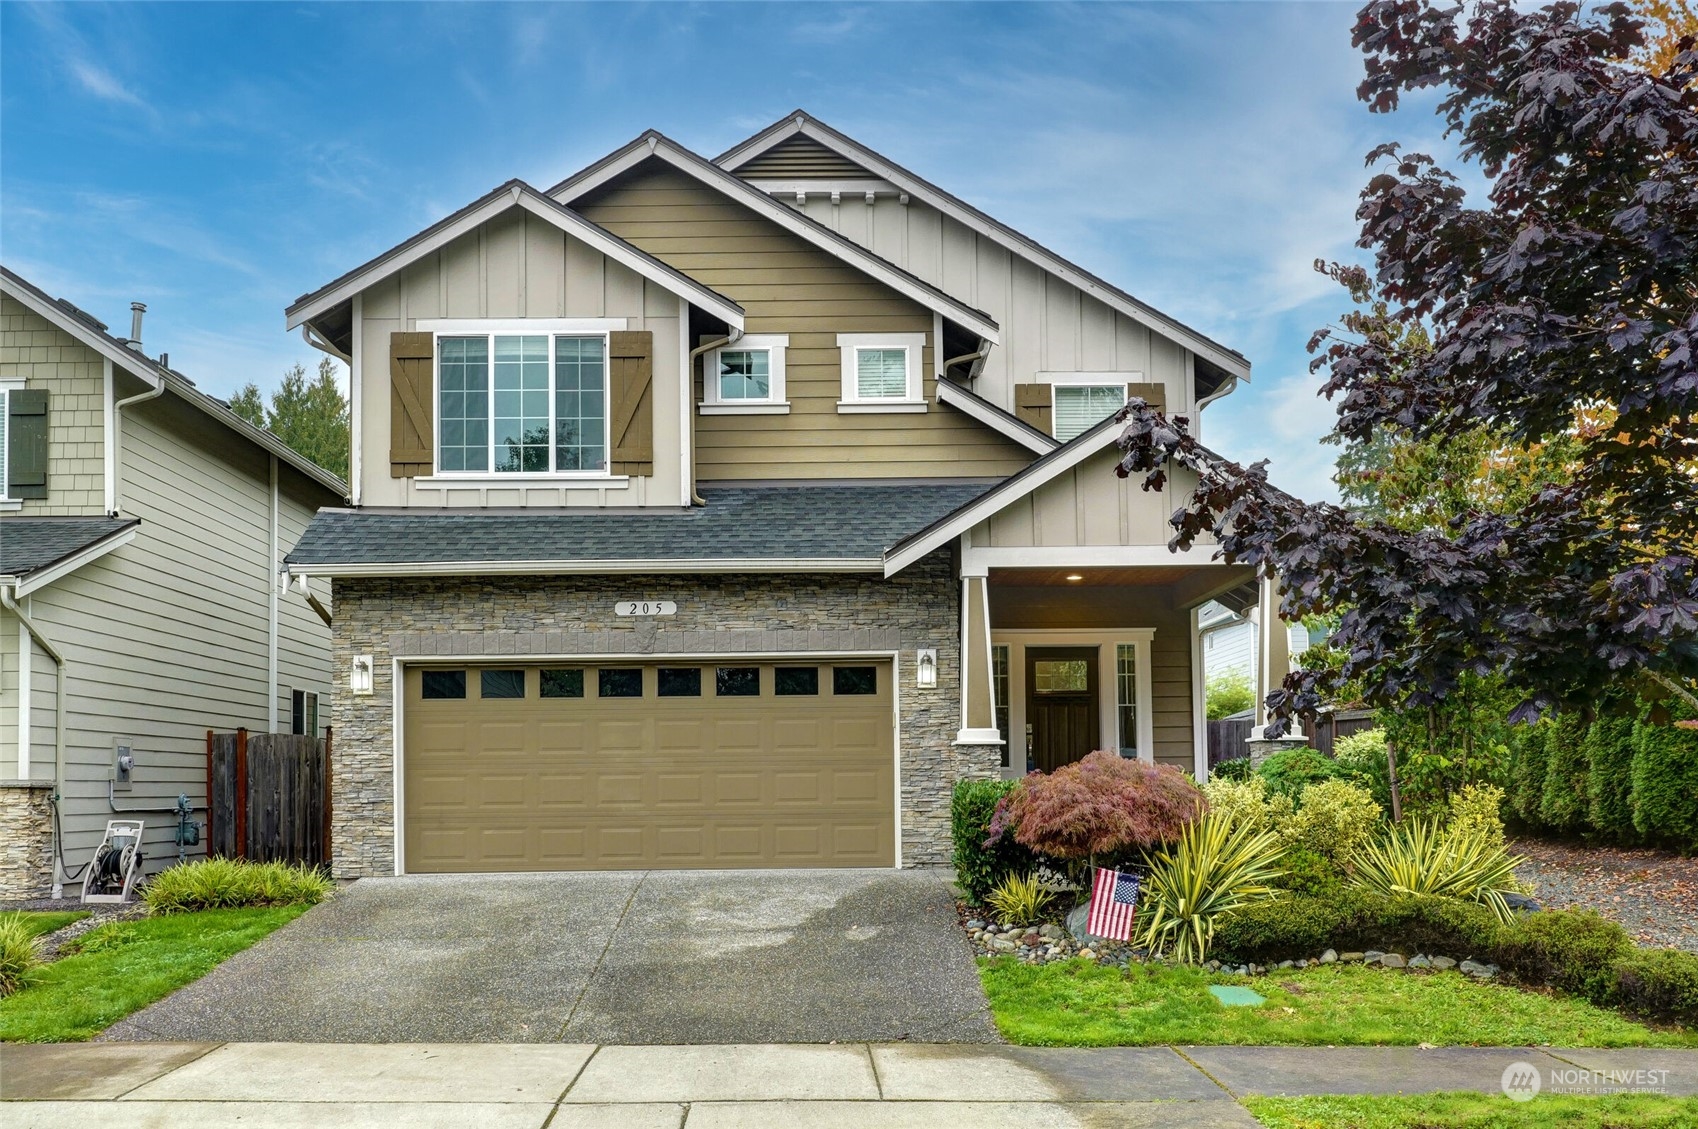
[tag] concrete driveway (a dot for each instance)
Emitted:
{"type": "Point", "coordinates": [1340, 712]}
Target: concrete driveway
{"type": "Point", "coordinates": [807, 956]}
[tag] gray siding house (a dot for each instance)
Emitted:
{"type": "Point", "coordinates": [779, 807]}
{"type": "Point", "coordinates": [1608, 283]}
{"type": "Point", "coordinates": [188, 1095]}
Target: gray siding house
{"type": "Point", "coordinates": [142, 529]}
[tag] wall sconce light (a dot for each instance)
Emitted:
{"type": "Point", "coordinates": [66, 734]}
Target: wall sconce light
{"type": "Point", "coordinates": [925, 668]}
{"type": "Point", "coordinates": [359, 675]}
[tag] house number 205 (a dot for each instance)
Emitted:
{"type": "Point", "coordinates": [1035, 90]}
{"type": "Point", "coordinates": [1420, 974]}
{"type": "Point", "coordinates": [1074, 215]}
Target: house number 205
{"type": "Point", "coordinates": [645, 607]}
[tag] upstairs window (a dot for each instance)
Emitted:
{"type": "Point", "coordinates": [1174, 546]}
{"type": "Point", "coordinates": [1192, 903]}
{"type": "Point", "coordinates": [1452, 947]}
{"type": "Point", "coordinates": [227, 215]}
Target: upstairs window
{"type": "Point", "coordinates": [746, 377]}
{"type": "Point", "coordinates": [881, 372]}
{"type": "Point", "coordinates": [522, 404]}
{"type": "Point", "coordinates": [1080, 407]}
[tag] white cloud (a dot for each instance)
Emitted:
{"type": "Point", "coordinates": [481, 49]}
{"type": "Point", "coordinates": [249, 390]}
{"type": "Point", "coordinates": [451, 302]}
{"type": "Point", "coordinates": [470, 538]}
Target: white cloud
{"type": "Point", "coordinates": [100, 82]}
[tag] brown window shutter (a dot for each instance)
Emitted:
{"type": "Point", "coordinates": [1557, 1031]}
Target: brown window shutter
{"type": "Point", "coordinates": [1154, 395]}
{"type": "Point", "coordinates": [1032, 404]}
{"type": "Point", "coordinates": [26, 443]}
{"type": "Point", "coordinates": [631, 390]}
{"type": "Point", "coordinates": [412, 434]}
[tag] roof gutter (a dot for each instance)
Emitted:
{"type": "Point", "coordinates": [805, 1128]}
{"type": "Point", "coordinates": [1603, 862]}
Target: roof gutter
{"type": "Point", "coordinates": [565, 568]}
{"type": "Point", "coordinates": [118, 407]}
{"type": "Point", "coordinates": [690, 394]}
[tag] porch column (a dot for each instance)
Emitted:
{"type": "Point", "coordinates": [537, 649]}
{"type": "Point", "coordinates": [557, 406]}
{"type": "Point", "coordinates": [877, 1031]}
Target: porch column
{"type": "Point", "coordinates": [978, 715]}
{"type": "Point", "coordinates": [1273, 653]}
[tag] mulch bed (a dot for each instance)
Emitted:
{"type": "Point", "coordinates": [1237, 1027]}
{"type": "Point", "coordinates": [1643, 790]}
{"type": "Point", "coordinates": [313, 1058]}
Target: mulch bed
{"type": "Point", "coordinates": [1653, 894]}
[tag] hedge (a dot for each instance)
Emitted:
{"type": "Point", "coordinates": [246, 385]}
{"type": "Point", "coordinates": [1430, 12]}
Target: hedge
{"type": "Point", "coordinates": [1609, 778]}
{"type": "Point", "coordinates": [1563, 800]}
{"type": "Point", "coordinates": [1665, 784]}
{"type": "Point", "coordinates": [1527, 772]}
{"type": "Point", "coordinates": [978, 868]}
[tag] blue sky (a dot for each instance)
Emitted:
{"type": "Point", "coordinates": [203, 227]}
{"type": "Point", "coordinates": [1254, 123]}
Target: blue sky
{"type": "Point", "coordinates": [217, 160]}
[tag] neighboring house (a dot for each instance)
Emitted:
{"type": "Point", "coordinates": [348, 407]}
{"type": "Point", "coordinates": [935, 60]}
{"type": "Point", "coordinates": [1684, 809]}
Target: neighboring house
{"type": "Point", "coordinates": [142, 529]}
{"type": "Point", "coordinates": [726, 512]}
{"type": "Point", "coordinates": [1230, 642]}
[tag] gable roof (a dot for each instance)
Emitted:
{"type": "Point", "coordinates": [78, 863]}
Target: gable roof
{"type": "Point", "coordinates": [970, 403]}
{"type": "Point", "coordinates": [504, 198]}
{"type": "Point", "coordinates": [655, 145]}
{"type": "Point", "coordinates": [836, 528]}
{"type": "Point", "coordinates": [35, 551]}
{"type": "Point", "coordinates": [800, 123]}
{"type": "Point", "coordinates": [92, 333]}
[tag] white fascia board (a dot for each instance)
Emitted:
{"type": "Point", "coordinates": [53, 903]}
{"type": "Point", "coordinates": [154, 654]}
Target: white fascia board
{"type": "Point", "coordinates": [41, 578]}
{"type": "Point", "coordinates": [1031, 252]}
{"type": "Point", "coordinates": [977, 409]}
{"type": "Point", "coordinates": [1088, 556]}
{"type": "Point", "coordinates": [784, 216]}
{"type": "Point", "coordinates": [144, 369]}
{"type": "Point", "coordinates": [1058, 462]}
{"type": "Point", "coordinates": [580, 568]}
{"type": "Point", "coordinates": [542, 207]}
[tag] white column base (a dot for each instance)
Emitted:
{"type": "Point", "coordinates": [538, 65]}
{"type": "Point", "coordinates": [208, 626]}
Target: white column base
{"type": "Point", "coordinates": [1294, 733]}
{"type": "Point", "coordinates": [979, 737]}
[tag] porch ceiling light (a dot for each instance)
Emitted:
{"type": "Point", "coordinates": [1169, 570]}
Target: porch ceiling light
{"type": "Point", "coordinates": [925, 669]}
{"type": "Point", "coordinates": [1074, 576]}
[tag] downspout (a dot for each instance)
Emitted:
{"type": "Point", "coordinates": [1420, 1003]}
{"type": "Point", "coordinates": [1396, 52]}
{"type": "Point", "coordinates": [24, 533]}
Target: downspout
{"type": "Point", "coordinates": [715, 343]}
{"type": "Point", "coordinates": [41, 641]}
{"type": "Point", "coordinates": [313, 338]}
{"type": "Point", "coordinates": [117, 431]}
{"type": "Point", "coordinates": [962, 359]}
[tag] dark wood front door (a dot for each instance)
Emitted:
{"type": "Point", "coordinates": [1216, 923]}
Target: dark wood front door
{"type": "Point", "coordinates": [1061, 704]}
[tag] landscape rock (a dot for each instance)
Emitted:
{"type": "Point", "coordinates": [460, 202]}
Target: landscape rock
{"type": "Point", "coordinates": [1351, 958]}
{"type": "Point", "coordinates": [1329, 957]}
{"type": "Point", "coordinates": [1479, 971]}
{"type": "Point", "coordinates": [1393, 960]}
{"type": "Point", "coordinates": [1442, 963]}
{"type": "Point", "coordinates": [1419, 961]}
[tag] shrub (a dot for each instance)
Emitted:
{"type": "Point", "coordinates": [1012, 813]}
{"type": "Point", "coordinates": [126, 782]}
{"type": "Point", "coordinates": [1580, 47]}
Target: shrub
{"type": "Point", "coordinates": [1477, 808]}
{"type": "Point", "coordinates": [1307, 872]}
{"type": "Point", "coordinates": [20, 952]}
{"type": "Point", "coordinates": [1573, 950]}
{"type": "Point", "coordinates": [1212, 870]}
{"type": "Point", "coordinates": [1335, 820]}
{"type": "Point", "coordinates": [1238, 768]}
{"type": "Point", "coordinates": [1527, 772]}
{"type": "Point", "coordinates": [1019, 899]}
{"type": "Point", "coordinates": [979, 868]}
{"type": "Point", "coordinates": [1361, 757]}
{"type": "Point", "coordinates": [1421, 857]}
{"type": "Point", "coordinates": [1291, 770]}
{"type": "Point", "coordinates": [231, 883]}
{"type": "Point", "coordinates": [1227, 694]}
{"type": "Point", "coordinates": [1247, 803]}
{"type": "Point", "coordinates": [1562, 802]}
{"type": "Point", "coordinates": [1658, 983]}
{"type": "Point", "coordinates": [1609, 778]}
{"type": "Point", "coordinates": [1665, 783]}
{"type": "Point", "coordinates": [1301, 925]}
{"type": "Point", "coordinates": [1099, 807]}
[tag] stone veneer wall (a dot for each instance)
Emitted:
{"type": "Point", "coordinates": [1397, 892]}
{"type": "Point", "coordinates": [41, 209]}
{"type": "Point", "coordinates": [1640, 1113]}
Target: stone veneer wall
{"type": "Point", "coordinates": [573, 615]}
{"type": "Point", "coordinates": [26, 841]}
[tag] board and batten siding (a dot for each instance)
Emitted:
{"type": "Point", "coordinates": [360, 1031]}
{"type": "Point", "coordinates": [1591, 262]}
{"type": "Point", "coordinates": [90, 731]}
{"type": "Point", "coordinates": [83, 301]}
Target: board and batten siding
{"type": "Point", "coordinates": [1048, 324]}
{"type": "Point", "coordinates": [166, 637]}
{"type": "Point", "coordinates": [1088, 505]}
{"type": "Point", "coordinates": [787, 286]}
{"type": "Point", "coordinates": [41, 354]}
{"type": "Point", "coordinates": [517, 266]}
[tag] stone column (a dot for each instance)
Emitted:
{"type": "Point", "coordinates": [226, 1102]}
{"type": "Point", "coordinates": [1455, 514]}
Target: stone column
{"type": "Point", "coordinates": [26, 839]}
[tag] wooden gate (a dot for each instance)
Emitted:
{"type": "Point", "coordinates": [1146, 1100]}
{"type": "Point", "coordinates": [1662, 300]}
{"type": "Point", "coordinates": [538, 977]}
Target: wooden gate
{"type": "Point", "coordinates": [268, 796]}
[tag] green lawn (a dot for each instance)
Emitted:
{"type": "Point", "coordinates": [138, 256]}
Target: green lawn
{"type": "Point", "coordinates": [116, 969]}
{"type": "Point", "coordinates": [1078, 1003]}
{"type": "Point", "coordinates": [1477, 1111]}
{"type": "Point", "coordinates": [42, 923]}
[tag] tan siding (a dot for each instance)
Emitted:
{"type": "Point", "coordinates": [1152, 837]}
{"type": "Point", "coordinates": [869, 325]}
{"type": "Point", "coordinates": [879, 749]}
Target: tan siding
{"type": "Point", "coordinates": [516, 266]}
{"type": "Point", "coordinates": [44, 356]}
{"type": "Point", "coordinates": [1088, 505]}
{"type": "Point", "coordinates": [787, 286]}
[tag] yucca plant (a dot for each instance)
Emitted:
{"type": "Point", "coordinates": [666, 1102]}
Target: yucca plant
{"type": "Point", "coordinates": [1214, 868]}
{"type": "Point", "coordinates": [1019, 900]}
{"type": "Point", "coordinates": [1424, 857]}
{"type": "Point", "coordinates": [20, 952]}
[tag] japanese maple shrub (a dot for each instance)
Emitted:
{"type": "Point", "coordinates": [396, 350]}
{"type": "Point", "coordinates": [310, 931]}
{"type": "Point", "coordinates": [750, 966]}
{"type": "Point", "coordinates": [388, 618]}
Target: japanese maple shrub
{"type": "Point", "coordinates": [1104, 807]}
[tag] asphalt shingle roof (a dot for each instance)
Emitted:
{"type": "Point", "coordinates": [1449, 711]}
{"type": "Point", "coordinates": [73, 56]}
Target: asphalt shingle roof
{"type": "Point", "coordinates": [835, 522]}
{"type": "Point", "coordinates": [28, 544]}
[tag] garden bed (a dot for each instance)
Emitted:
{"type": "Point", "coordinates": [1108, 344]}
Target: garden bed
{"type": "Point", "coordinates": [1653, 894]}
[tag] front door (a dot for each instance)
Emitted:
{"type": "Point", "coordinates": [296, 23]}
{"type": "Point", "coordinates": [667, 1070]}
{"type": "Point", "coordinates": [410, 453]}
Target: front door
{"type": "Point", "coordinates": [1061, 705]}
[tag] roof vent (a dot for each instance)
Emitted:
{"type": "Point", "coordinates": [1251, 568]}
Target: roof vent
{"type": "Point", "coordinates": [137, 309]}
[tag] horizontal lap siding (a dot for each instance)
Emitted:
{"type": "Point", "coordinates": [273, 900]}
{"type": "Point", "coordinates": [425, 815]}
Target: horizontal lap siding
{"type": "Point", "coordinates": [34, 349]}
{"type": "Point", "coordinates": [303, 640]}
{"type": "Point", "coordinates": [787, 286]}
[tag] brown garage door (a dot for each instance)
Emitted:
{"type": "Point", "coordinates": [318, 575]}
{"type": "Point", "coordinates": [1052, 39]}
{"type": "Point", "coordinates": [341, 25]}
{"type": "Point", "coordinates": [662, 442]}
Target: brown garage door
{"type": "Point", "coordinates": [565, 767]}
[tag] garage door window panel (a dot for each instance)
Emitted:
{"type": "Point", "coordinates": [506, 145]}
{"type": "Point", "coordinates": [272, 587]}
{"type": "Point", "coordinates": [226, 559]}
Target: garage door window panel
{"type": "Point", "coordinates": [563, 683]}
{"type": "Point", "coordinates": [442, 685]}
{"type": "Point", "coordinates": [796, 681]}
{"type": "Point", "coordinates": [847, 681]}
{"type": "Point", "coordinates": [493, 684]}
{"type": "Point", "coordinates": [737, 682]}
{"type": "Point", "coordinates": [679, 682]}
{"type": "Point", "coordinates": [619, 682]}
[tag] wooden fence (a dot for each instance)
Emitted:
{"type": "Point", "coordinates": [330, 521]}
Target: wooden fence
{"type": "Point", "coordinates": [268, 796]}
{"type": "Point", "coordinates": [1229, 737]}
{"type": "Point", "coordinates": [1329, 727]}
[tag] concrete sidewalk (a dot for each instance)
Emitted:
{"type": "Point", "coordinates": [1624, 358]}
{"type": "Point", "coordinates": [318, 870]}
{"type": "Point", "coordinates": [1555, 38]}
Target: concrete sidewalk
{"type": "Point", "coordinates": [775, 1086]}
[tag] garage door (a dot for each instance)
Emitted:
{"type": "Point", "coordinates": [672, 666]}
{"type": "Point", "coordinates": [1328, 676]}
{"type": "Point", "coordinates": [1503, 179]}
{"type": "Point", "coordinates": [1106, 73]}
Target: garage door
{"type": "Point", "coordinates": [565, 767]}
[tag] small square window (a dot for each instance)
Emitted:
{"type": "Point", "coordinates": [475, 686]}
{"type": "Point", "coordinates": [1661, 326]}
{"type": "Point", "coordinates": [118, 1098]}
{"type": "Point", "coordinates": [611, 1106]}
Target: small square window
{"type": "Point", "coordinates": [562, 683]}
{"type": "Point", "coordinates": [796, 681]}
{"type": "Point", "coordinates": [443, 684]}
{"type": "Point", "coordinates": [619, 682]}
{"type": "Point", "coordinates": [881, 374]}
{"type": "Point", "coordinates": [847, 680]}
{"type": "Point", "coordinates": [744, 374]}
{"type": "Point", "coordinates": [737, 682]}
{"type": "Point", "coordinates": [1080, 407]}
{"type": "Point", "coordinates": [680, 681]}
{"type": "Point", "coordinates": [501, 683]}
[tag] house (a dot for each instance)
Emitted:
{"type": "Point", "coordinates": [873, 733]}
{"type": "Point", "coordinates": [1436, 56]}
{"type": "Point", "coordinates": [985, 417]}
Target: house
{"type": "Point", "coordinates": [142, 530]}
{"type": "Point", "coordinates": [1230, 641]}
{"type": "Point", "coordinates": [724, 513]}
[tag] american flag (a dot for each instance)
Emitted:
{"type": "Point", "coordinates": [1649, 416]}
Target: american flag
{"type": "Point", "coordinates": [1114, 905]}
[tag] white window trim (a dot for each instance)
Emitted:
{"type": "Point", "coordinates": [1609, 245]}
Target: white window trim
{"type": "Point", "coordinates": [7, 502]}
{"type": "Point", "coordinates": [775, 403]}
{"type": "Point", "coordinates": [913, 346]}
{"type": "Point", "coordinates": [527, 327]}
{"type": "Point", "coordinates": [1115, 380]}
